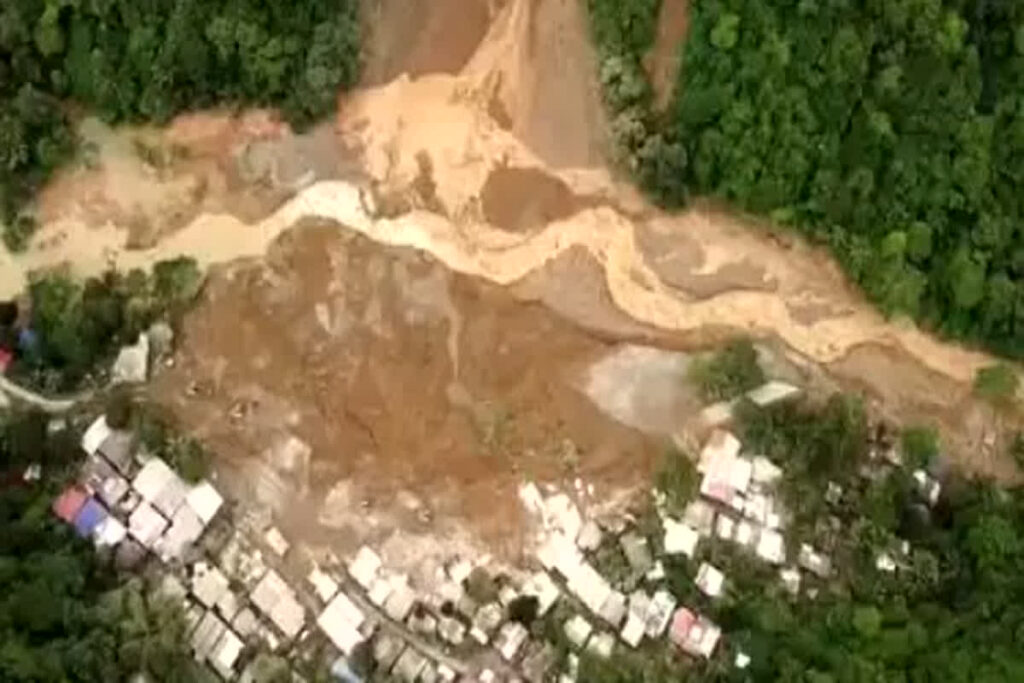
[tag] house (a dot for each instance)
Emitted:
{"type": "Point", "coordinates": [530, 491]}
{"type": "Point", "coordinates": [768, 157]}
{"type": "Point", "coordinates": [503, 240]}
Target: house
{"type": "Point", "coordinates": [209, 584]}
{"type": "Point", "coordinates": [578, 630]}
{"type": "Point", "coordinates": [638, 554]}
{"type": "Point", "coordinates": [276, 541]}
{"type": "Point", "coordinates": [278, 602]}
{"type": "Point", "coordinates": [89, 517]}
{"type": "Point", "coordinates": [725, 527]}
{"type": "Point", "coordinates": [386, 651]}
{"type": "Point", "coordinates": [146, 525]}
{"type": "Point", "coordinates": [110, 532]}
{"type": "Point", "coordinates": [323, 584]}
{"type": "Point", "coordinates": [613, 610]}
{"type": "Point", "coordinates": [160, 486]}
{"type": "Point", "coordinates": [510, 639]}
{"type": "Point", "coordinates": [69, 503]}
{"type": "Point", "coordinates": [700, 516]}
{"type": "Point", "coordinates": [205, 501]}
{"type": "Point", "coordinates": [364, 567]}
{"type": "Point", "coordinates": [710, 580]}
{"type": "Point", "coordinates": [680, 538]}
{"type": "Point", "coordinates": [100, 477]}
{"type": "Point", "coordinates": [95, 435]}
{"type": "Point", "coordinates": [542, 586]}
{"type": "Point", "coordinates": [790, 577]}
{"type": "Point", "coordinates": [929, 487]}
{"type": "Point", "coordinates": [486, 621]}
{"type": "Point", "coordinates": [746, 534]}
{"type": "Point", "coordinates": [771, 546]}
{"type": "Point", "coordinates": [772, 392]}
{"type": "Point", "coordinates": [401, 600]}
{"type": "Point", "coordinates": [185, 529]}
{"type": "Point", "coordinates": [602, 645]}
{"type": "Point", "coordinates": [341, 621]}
{"type": "Point", "coordinates": [589, 538]}
{"type": "Point", "coordinates": [225, 654]}
{"type": "Point", "coordinates": [409, 666]}
{"type": "Point", "coordinates": [721, 446]}
{"type": "Point", "coordinates": [813, 561]}
{"type": "Point", "coordinates": [206, 636]}
{"type": "Point", "coordinates": [694, 635]}
{"type": "Point", "coordinates": [451, 630]}
{"type": "Point", "coordinates": [659, 613]}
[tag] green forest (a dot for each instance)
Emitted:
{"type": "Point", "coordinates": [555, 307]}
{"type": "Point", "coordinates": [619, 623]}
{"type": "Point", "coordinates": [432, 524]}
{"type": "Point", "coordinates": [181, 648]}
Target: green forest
{"type": "Point", "coordinates": [952, 611]}
{"type": "Point", "coordinates": [150, 59]}
{"type": "Point", "coordinates": [890, 130]}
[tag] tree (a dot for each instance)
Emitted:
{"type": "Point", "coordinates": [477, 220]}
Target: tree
{"type": "Point", "coordinates": [997, 383]}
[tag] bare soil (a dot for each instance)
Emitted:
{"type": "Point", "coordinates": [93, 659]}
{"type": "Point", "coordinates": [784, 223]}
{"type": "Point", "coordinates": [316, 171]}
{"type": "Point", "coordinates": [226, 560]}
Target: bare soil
{"type": "Point", "coordinates": [401, 376]}
{"type": "Point", "coordinates": [525, 199]}
{"type": "Point", "coordinates": [664, 60]}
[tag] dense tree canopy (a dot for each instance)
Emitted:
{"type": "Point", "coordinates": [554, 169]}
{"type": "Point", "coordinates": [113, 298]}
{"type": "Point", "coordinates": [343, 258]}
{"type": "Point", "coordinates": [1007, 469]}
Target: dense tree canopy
{"type": "Point", "coordinates": [150, 59]}
{"type": "Point", "coordinates": [893, 130]}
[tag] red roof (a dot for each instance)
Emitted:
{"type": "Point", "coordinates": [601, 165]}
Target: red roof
{"type": "Point", "coordinates": [68, 505]}
{"type": "Point", "coordinates": [682, 623]}
{"type": "Point", "coordinates": [6, 357]}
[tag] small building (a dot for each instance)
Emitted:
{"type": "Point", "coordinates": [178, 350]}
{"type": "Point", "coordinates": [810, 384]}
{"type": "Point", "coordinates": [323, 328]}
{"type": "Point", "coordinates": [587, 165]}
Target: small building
{"type": "Point", "coordinates": [486, 622]}
{"type": "Point", "coordinates": [814, 562]}
{"type": "Point", "coordinates": [386, 651]}
{"type": "Point", "coordinates": [764, 472]}
{"type": "Point", "coordinates": [542, 586]}
{"type": "Point", "coordinates": [725, 527]}
{"type": "Point", "coordinates": [578, 630]}
{"type": "Point", "coordinates": [510, 640]}
{"type": "Point", "coordinates": [205, 501]}
{"type": "Point", "coordinates": [245, 623]}
{"type": "Point", "coordinates": [659, 613]}
{"type": "Point", "coordinates": [401, 601]}
{"type": "Point", "coordinates": [638, 554]}
{"type": "Point", "coordinates": [746, 534]}
{"type": "Point", "coordinates": [146, 525]}
{"type": "Point", "coordinates": [225, 654]}
{"type": "Point", "coordinates": [409, 666]}
{"type": "Point", "coordinates": [771, 546]}
{"type": "Point", "coordinates": [341, 621]}
{"type": "Point", "coordinates": [110, 532]}
{"type": "Point", "coordinates": [710, 580]}
{"type": "Point", "coordinates": [680, 538]}
{"type": "Point", "coordinates": [278, 602]}
{"type": "Point", "coordinates": [95, 435]}
{"type": "Point", "coordinates": [772, 392]}
{"type": "Point", "coordinates": [185, 529]}
{"type": "Point", "coordinates": [323, 584]}
{"type": "Point", "coordinates": [790, 577]}
{"type": "Point", "coordinates": [69, 503]}
{"type": "Point", "coordinates": [451, 630]}
{"type": "Point", "coordinates": [588, 585]}
{"type": "Point", "coordinates": [364, 567]}
{"type": "Point", "coordinates": [206, 636]}
{"type": "Point", "coordinates": [90, 516]}
{"type": "Point", "coordinates": [694, 635]}
{"type": "Point", "coordinates": [929, 487]}
{"type": "Point", "coordinates": [160, 486]}
{"type": "Point", "coordinates": [613, 609]}
{"type": "Point", "coordinates": [100, 477]}
{"type": "Point", "coordinates": [589, 538]}
{"type": "Point", "coordinates": [209, 584]}
{"type": "Point", "coordinates": [276, 541]}
{"type": "Point", "coordinates": [601, 645]}
{"type": "Point", "coordinates": [701, 516]}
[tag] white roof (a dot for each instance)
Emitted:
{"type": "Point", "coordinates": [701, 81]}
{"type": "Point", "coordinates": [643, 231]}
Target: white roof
{"type": "Point", "coordinates": [742, 660]}
{"type": "Point", "coordinates": [601, 645]}
{"type": "Point", "coordinates": [589, 586]}
{"type": "Point", "coordinates": [578, 630]}
{"type": "Point", "coordinates": [701, 516]}
{"type": "Point", "coordinates": [544, 588]}
{"type": "Point", "coordinates": [725, 528]}
{"type": "Point", "coordinates": [95, 435]}
{"type": "Point", "coordinates": [109, 532]}
{"type": "Point", "coordinates": [772, 392]}
{"type": "Point", "coordinates": [885, 562]}
{"type": "Point", "coordinates": [680, 538]}
{"type": "Point", "coordinates": [225, 654]}
{"type": "Point", "coordinates": [790, 579]}
{"type": "Point", "coordinates": [146, 524]}
{"type": "Point", "coordinates": [633, 631]}
{"type": "Point", "coordinates": [510, 639]}
{"type": "Point", "coordinates": [704, 637]}
{"type": "Point", "coordinates": [659, 613]}
{"type": "Point", "coordinates": [722, 445]}
{"type": "Point", "coordinates": [756, 507]}
{"type": "Point", "coordinates": [209, 584]}
{"type": "Point", "coordinates": [562, 514]}
{"type": "Point", "coordinates": [340, 622]}
{"type": "Point", "coordinates": [277, 601]}
{"type": "Point", "coordinates": [381, 590]}
{"type": "Point", "coordinates": [152, 478]}
{"type": "Point", "coordinates": [204, 500]}
{"type": "Point", "coordinates": [710, 580]}
{"type": "Point", "coordinates": [185, 529]}
{"type": "Point", "coordinates": [765, 471]}
{"type": "Point", "coordinates": [740, 472]}
{"type": "Point", "coordinates": [746, 533]}
{"type": "Point", "coordinates": [364, 567]}
{"type": "Point", "coordinates": [323, 584]}
{"type": "Point", "coordinates": [717, 414]}
{"type": "Point", "coordinates": [276, 540]}
{"type": "Point", "coordinates": [771, 546]}
{"type": "Point", "coordinates": [590, 535]}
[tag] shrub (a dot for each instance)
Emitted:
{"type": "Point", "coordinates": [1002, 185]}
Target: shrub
{"type": "Point", "coordinates": [728, 373]}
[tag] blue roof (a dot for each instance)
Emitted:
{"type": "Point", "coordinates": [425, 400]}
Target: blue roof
{"type": "Point", "coordinates": [89, 517]}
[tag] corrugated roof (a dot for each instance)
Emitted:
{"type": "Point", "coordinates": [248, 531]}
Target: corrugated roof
{"type": "Point", "coordinates": [91, 514]}
{"type": "Point", "coordinates": [69, 503]}
{"type": "Point", "coordinates": [340, 622]}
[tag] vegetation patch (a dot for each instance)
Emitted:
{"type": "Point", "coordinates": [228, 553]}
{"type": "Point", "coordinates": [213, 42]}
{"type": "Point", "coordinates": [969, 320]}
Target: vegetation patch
{"type": "Point", "coordinates": [727, 373]}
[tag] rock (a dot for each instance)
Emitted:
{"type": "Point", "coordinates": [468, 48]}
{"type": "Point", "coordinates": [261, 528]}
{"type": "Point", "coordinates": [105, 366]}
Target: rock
{"type": "Point", "coordinates": [132, 364]}
{"type": "Point", "coordinates": [161, 338]}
